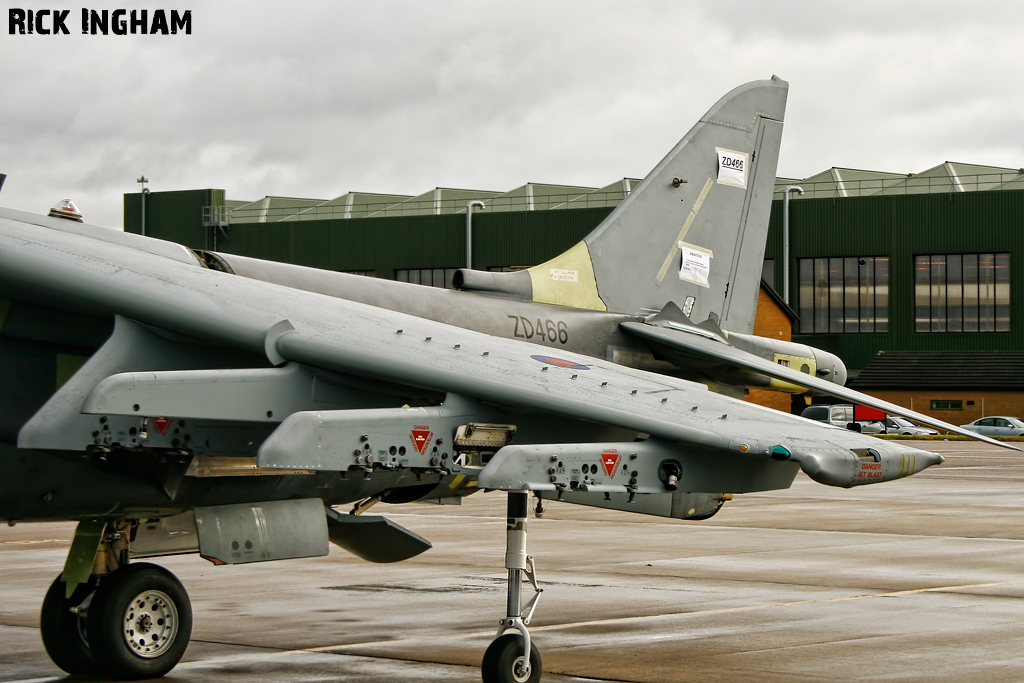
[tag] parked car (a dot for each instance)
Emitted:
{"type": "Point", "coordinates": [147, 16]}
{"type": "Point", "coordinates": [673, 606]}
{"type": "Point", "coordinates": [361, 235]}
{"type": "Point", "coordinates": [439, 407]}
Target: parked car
{"type": "Point", "coordinates": [901, 425]}
{"type": "Point", "coordinates": [999, 425]}
{"type": "Point", "coordinates": [842, 415]}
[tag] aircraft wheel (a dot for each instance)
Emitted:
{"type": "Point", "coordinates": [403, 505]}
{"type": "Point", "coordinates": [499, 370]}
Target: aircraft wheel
{"type": "Point", "coordinates": [63, 632]}
{"type": "Point", "coordinates": [504, 661]}
{"type": "Point", "coordinates": [139, 622]}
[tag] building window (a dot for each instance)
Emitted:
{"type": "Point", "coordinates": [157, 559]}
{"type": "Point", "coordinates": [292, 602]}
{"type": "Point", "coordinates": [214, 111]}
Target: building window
{"type": "Point", "coordinates": [433, 277]}
{"type": "Point", "coordinates": [844, 294]}
{"type": "Point", "coordinates": [947, 405]}
{"type": "Point", "coordinates": [768, 272]}
{"type": "Point", "coordinates": [962, 293]}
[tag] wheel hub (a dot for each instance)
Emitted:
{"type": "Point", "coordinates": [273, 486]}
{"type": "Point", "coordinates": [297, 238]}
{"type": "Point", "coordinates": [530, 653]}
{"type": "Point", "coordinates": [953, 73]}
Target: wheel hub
{"type": "Point", "coordinates": [150, 624]}
{"type": "Point", "coordinates": [521, 670]}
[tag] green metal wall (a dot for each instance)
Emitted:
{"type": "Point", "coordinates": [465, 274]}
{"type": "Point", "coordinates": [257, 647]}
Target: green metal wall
{"type": "Point", "coordinates": [383, 244]}
{"type": "Point", "coordinates": [901, 227]}
{"type": "Point", "coordinates": [175, 216]}
{"type": "Point", "coordinates": [897, 226]}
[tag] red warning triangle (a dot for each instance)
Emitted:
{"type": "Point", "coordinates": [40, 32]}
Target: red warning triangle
{"type": "Point", "coordinates": [161, 424]}
{"type": "Point", "coordinates": [610, 460]}
{"type": "Point", "coordinates": [421, 438]}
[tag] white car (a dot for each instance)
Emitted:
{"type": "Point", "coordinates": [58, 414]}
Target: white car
{"type": "Point", "coordinates": [841, 415]}
{"type": "Point", "coordinates": [997, 426]}
{"type": "Point", "coordinates": [901, 425]}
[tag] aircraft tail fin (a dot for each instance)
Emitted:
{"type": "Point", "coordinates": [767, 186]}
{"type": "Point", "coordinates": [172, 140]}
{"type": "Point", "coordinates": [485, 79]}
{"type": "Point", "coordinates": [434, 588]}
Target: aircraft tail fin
{"type": "Point", "coordinates": [692, 232]}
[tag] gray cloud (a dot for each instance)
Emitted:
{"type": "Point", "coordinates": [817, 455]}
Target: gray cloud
{"type": "Point", "coordinates": [317, 98]}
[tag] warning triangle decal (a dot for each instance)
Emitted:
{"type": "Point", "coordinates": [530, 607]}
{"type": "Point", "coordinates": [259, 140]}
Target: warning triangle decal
{"type": "Point", "coordinates": [421, 436]}
{"type": "Point", "coordinates": [161, 424]}
{"type": "Point", "coordinates": [610, 460]}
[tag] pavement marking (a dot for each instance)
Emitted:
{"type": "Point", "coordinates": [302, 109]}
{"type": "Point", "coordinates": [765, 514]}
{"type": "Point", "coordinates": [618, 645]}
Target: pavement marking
{"type": "Point", "coordinates": [596, 622]}
{"type": "Point", "coordinates": [32, 566]}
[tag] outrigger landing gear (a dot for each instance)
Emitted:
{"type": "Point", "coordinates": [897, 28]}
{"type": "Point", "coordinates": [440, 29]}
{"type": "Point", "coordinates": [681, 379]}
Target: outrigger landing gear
{"type": "Point", "coordinates": [511, 657]}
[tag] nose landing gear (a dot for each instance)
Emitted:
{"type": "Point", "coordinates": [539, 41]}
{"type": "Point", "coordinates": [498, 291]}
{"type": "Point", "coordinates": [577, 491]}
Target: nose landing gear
{"type": "Point", "coordinates": [512, 657]}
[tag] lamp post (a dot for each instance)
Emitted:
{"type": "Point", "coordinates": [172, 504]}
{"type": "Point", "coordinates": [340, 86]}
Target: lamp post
{"type": "Point", "coordinates": [785, 238]}
{"type": "Point", "coordinates": [145, 190]}
{"type": "Point", "coordinates": [469, 229]}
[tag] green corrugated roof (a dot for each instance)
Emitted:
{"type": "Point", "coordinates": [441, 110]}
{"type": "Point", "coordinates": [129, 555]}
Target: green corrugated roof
{"type": "Point", "coordinates": [536, 197]}
{"type": "Point", "coordinates": [948, 176]}
{"type": "Point", "coordinates": [270, 209]}
{"type": "Point", "coordinates": [832, 182]}
{"type": "Point", "coordinates": [440, 200]}
{"type": "Point", "coordinates": [348, 205]}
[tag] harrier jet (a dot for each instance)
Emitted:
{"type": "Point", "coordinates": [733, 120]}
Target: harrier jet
{"type": "Point", "coordinates": [172, 402]}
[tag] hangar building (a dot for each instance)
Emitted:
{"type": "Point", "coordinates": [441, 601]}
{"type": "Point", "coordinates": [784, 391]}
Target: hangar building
{"type": "Point", "coordinates": [907, 277]}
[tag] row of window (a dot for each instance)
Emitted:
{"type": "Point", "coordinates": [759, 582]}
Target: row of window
{"type": "Point", "coordinates": [952, 293]}
{"type": "Point", "coordinates": [436, 277]}
{"type": "Point", "coordinates": [962, 293]}
{"type": "Point", "coordinates": [844, 294]}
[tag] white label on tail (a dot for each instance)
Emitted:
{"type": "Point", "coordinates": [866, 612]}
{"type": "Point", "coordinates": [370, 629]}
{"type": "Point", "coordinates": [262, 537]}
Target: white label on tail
{"type": "Point", "coordinates": [696, 265]}
{"type": "Point", "coordinates": [565, 275]}
{"type": "Point", "coordinates": [732, 167]}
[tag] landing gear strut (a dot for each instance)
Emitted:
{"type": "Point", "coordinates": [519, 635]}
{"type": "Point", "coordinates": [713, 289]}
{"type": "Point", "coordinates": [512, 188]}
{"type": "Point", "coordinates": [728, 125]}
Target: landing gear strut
{"type": "Point", "coordinates": [511, 657]}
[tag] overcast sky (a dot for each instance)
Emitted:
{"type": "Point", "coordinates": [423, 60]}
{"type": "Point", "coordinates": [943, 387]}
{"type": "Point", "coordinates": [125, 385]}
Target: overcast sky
{"type": "Point", "coordinates": [317, 98]}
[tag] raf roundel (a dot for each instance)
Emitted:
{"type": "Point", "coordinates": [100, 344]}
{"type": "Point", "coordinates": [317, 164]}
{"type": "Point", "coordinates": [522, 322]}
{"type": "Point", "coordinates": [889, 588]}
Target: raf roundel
{"type": "Point", "coordinates": [560, 362]}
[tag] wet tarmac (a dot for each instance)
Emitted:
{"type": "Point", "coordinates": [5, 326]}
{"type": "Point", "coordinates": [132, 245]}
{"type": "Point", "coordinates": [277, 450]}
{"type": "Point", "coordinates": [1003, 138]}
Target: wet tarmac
{"type": "Point", "coordinates": [920, 579]}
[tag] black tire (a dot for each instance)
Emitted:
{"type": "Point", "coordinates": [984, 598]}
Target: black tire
{"type": "Point", "coordinates": [503, 658]}
{"type": "Point", "coordinates": [139, 622]}
{"type": "Point", "coordinates": [64, 633]}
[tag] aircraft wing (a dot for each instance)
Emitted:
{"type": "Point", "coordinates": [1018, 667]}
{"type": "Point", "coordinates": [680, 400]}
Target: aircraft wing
{"type": "Point", "coordinates": [678, 341]}
{"type": "Point", "coordinates": [74, 270]}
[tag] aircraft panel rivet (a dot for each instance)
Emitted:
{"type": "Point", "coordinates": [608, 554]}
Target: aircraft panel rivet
{"type": "Point", "coordinates": [135, 407]}
{"type": "Point", "coordinates": [553, 478]}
